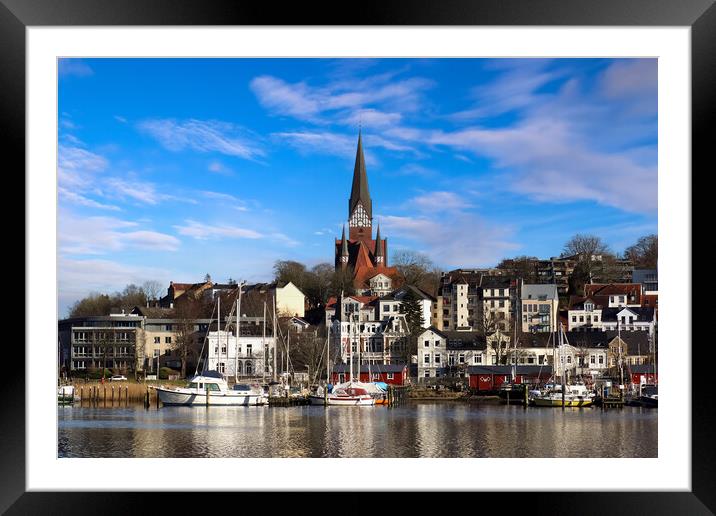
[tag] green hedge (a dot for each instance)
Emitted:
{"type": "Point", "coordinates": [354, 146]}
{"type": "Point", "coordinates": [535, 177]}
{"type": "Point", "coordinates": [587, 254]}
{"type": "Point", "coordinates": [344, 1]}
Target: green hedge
{"type": "Point", "coordinates": [164, 373]}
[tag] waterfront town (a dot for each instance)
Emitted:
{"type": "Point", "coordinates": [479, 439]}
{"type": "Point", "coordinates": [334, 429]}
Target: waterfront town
{"type": "Point", "coordinates": [584, 316]}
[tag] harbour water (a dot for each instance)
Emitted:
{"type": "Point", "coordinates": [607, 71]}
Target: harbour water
{"type": "Point", "coordinates": [415, 429]}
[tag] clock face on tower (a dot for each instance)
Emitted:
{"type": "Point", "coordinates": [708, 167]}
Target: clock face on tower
{"type": "Point", "coordinates": [359, 218]}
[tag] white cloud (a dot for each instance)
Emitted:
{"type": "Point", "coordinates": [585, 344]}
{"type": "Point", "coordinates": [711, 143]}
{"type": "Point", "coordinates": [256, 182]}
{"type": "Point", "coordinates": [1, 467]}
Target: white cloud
{"type": "Point", "coordinates": [453, 239]}
{"type": "Point", "coordinates": [219, 196]}
{"type": "Point", "coordinates": [202, 136]}
{"type": "Point", "coordinates": [314, 104]}
{"type": "Point", "coordinates": [77, 167]}
{"type": "Point", "coordinates": [76, 67]}
{"type": "Point", "coordinates": [373, 118]}
{"type": "Point", "coordinates": [106, 235]}
{"type": "Point", "coordinates": [81, 200]}
{"type": "Point", "coordinates": [77, 278]}
{"type": "Point", "coordinates": [438, 201]}
{"type": "Point", "coordinates": [202, 231]}
{"type": "Point", "coordinates": [134, 189]}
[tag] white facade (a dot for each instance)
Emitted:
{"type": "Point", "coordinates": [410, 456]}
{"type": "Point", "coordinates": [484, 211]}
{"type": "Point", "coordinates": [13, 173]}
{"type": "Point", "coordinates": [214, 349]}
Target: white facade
{"type": "Point", "coordinates": [380, 285]}
{"type": "Point", "coordinates": [254, 353]}
{"type": "Point", "coordinates": [434, 355]}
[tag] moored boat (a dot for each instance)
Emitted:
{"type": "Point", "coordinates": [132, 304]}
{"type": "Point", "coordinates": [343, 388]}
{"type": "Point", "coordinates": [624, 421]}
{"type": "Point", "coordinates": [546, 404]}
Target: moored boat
{"type": "Point", "coordinates": [347, 395]}
{"type": "Point", "coordinates": [574, 396]}
{"type": "Point", "coordinates": [66, 394]}
{"type": "Point", "coordinates": [210, 388]}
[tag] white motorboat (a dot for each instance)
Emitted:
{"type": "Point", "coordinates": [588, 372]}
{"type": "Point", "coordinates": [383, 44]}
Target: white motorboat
{"type": "Point", "coordinates": [348, 395]}
{"type": "Point", "coordinates": [66, 394]}
{"type": "Point", "coordinates": [210, 388]}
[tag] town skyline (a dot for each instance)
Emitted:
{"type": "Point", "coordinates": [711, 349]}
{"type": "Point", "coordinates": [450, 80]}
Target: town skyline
{"type": "Point", "coordinates": [469, 161]}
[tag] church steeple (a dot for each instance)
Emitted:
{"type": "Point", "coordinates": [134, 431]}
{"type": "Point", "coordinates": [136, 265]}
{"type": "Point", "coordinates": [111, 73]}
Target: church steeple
{"type": "Point", "coordinates": [344, 249]}
{"type": "Point", "coordinates": [360, 206]}
{"type": "Point", "coordinates": [378, 247]}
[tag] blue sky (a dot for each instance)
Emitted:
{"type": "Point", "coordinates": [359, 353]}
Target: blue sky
{"type": "Point", "coordinates": [169, 169]}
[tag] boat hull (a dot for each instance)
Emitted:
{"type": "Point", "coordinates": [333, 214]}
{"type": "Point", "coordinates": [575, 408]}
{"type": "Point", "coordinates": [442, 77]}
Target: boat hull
{"type": "Point", "coordinates": [343, 401]}
{"type": "Point", "coordinates": [188, 397]}
{"type": "Point", "coordinates": [550, 402]}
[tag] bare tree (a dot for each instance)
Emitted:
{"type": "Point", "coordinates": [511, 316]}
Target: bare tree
{"type": "Point", "coordinates": [152, 289]}
{"type": "Point", "coordinates": [645, 253]}
{"type": "Point", "coordinates": [495, 331]}
{"type": "Point", "coordinates": [585, 245]}
{"type": "Point", "coordinates": [186, 315]}
{"type": "Point", "coordinates": [418, 270]}
{"type": "Point", "coordinates": [524, 267]}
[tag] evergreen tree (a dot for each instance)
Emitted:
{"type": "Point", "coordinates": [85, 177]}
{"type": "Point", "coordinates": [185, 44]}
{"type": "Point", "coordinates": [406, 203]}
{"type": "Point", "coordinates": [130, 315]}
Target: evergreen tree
{"type": "Point", "coordinates": [410, 307]}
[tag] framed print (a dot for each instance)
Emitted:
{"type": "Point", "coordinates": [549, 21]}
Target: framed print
{"type": "Point", "coordinates": [487, 299]}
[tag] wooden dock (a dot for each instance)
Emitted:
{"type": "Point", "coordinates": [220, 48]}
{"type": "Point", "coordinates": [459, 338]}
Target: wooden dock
{"type": "Point", "coordinates": [612, 402]}
{"type": "Point", "coordinates": [283, 401]}
{"type": "Point", "coordinates": [397, 395]}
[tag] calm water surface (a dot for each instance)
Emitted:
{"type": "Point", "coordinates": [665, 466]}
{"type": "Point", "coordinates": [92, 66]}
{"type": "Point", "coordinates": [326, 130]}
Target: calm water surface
{"type": "Point", "coordinates": [416, 429]}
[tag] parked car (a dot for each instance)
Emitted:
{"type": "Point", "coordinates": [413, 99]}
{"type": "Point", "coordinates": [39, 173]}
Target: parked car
{"type": "Point", "coordinates": [118, 378]}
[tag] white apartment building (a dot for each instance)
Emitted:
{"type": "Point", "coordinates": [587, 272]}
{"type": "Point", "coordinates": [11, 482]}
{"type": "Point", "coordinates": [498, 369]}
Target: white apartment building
{"type": "Point", "coordinates": [251, 358]}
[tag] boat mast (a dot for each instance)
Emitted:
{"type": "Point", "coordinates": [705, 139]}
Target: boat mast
{"type": "Point", "coordinates": [328, 361]}
{"type": "Point", "coordinates": [621, 364]}
{"type": "Point", "coordinates": [263, 348]}
{"type": "Point", "coordinates": [238, 333]}
{"type": "Point", "coordinates": [562, 362]}
{"type": "Point", "coordinates": [274, 337]}
{"type": "Point", "coordinates": [218, 332]}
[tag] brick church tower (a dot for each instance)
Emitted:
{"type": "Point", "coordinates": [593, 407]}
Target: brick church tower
{"type": "Point", "coordinates": [360, 252]}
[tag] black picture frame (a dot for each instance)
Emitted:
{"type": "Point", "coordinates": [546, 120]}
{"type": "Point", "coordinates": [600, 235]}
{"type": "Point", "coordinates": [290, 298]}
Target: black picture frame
{"type": "Point", "coordinates": [699, 15]}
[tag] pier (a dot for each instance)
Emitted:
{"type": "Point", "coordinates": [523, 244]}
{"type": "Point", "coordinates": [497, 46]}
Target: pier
{"type": "Point", "coordinates": [283, 401]}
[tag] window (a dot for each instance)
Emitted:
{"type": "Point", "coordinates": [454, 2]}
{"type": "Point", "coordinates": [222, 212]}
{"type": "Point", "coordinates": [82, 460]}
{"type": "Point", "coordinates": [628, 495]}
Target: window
{"type": "Point", "coordinates": [157, 351]}
{"type": "Point", "coordinates": [427, 343]}
{"type": "Point", "coordinates": [569, 359]}
{"type": "Point", "coordinates": [427, 374]}
{"type": "Point", "coordinates": [437, 343]}
{"type": "Point", "coordinates": [249, 350]}
{"type": "Point", "coordinates": [168, 340]}
{"type": "Point", "coordinates": [461, 358]}
{"type": "Point", "coordinates": [426, 359]}
{"type": "Point", "coordinates": [477, 359]}
{"type": "Point", "coordinates": [540, 358]}
{"type": "Point", "coordinates": [574, 318]}
{"type": "Point", "coordinates": [168, 327]}
{"type": "Point", "coordinates": [389, 376]}
{"type": "Point", "coordinates": [592, 359]}
{"type": "Point", "coordinates": [601, 359]}
{"type": "Point", "coordinates": [157, 340]}
{"type": "Point", "coordinates": [437, 358]}
{"type": "Point", "coordinates": [167, 352]}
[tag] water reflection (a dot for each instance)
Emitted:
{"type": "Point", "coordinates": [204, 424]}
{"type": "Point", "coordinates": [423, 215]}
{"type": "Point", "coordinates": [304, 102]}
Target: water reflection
{"type": "Point", "coordinates": [421, 429]}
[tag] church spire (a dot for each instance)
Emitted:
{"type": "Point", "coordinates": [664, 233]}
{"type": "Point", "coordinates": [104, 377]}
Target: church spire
{"type": "Point", "coordinates": [344, 248]}
{"type": "Point", "coordinates": [378, 247]}
{"type": "Point", "coordinates": [359, 190]}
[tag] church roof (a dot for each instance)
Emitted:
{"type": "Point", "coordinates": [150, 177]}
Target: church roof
{"type": "Point", "coordinates": [359, 190]}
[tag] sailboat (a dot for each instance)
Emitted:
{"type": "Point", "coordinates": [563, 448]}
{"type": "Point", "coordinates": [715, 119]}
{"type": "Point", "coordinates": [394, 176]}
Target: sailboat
{"type": "Point", "coordinates": [564, 395]}
{"type": "Point", "coordinates": [348, 394]}
{"type": "Point", "coordinates": [210, 388]}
